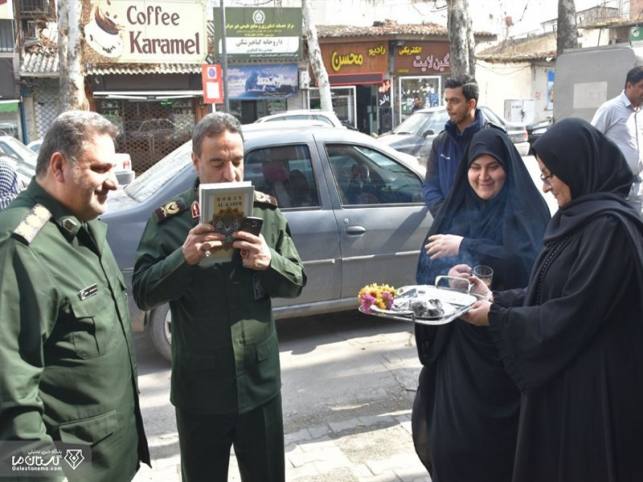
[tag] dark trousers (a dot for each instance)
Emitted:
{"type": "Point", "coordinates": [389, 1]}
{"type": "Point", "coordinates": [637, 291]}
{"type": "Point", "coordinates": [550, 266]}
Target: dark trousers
{"type": "Point", "coordinates": [257, 436]}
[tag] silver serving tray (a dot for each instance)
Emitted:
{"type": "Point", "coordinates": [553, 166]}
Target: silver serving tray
{"type": "Point", "coordinates": [454, 302]}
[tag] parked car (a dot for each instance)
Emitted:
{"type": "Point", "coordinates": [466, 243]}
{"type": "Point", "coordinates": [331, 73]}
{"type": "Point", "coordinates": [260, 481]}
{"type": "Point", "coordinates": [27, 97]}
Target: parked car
{"type": "Point", "coordinates": [35, 145]}
{"type": "Point", "coordinates": [25, 158]}
{"type": "Point", "coordinates": [355, 209]}
{"type": "Point", "coordinates": [415, 135]}
{"type": "Point", "coordinates": [123, 168]}
{"type": "Point", "coordinates": [537, 129]}
{"type": "Point", "coordinates": [328, 117]}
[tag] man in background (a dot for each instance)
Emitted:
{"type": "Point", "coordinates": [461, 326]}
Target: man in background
{"type": "Point", "coordinates": [465, 119]}
{"type": "Point", "coordinates": [620, 120]}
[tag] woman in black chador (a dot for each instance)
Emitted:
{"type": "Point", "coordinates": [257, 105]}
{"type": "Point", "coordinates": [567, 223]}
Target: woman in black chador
{"type": "Point", "coordinates": [465, 414]}
{"type": "Point", "coordinates": [573, 339]}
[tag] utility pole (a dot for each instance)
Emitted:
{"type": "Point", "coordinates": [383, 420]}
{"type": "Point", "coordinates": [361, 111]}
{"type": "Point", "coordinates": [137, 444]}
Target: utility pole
{"type": "Point", "coordinates": [566, 30]}
{"type": "Point", "coordinates": [224, 59]}
{"type": "Point", "coordinates": [72, 77]}
{"type": "Point", "coordinates": [461, 40]}
{"type": "Point", "coordinates": [315, 57]}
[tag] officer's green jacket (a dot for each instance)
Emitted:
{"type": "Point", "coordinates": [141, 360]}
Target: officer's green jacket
{"type": "Point", "coordinates": [67, 365]}
{"type": "Point", "coordinates": [225, 354]}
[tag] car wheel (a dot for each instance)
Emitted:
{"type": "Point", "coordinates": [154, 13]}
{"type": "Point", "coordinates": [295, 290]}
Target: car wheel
{"type": "Point", "coordinates": [160, 331]}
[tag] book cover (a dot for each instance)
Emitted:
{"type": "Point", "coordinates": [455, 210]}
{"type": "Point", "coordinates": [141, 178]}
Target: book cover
{"type": "Point", "coordinates": [224, 205]}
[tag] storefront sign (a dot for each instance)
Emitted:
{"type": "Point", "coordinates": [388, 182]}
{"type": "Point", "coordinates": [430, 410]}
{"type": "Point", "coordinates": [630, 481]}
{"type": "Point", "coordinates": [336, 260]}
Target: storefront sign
{"type": "Point", "coordinates": [129, 31]}
{"type": "Point", "coordinates": [259, 33]}
{"type": "Point", "coordinates": [212, 83]}
{"type": "Point", "coordinates": [355, 58]}
{"type": "Point", "coordinates": [262, 81]}
{"type": "Point", "coordinates": [422, 58]}
{"type": "Point", "coordinates": [6, 10]}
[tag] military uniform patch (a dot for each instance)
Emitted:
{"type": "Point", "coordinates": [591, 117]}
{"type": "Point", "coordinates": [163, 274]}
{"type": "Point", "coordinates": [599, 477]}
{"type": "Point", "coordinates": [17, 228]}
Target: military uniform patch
{"type": "Point", "coordinates": [33, 222]}
{"type": "Point", "coordinates": [263, 198]}
{"type": "Point", "coordinates": [170, 209]}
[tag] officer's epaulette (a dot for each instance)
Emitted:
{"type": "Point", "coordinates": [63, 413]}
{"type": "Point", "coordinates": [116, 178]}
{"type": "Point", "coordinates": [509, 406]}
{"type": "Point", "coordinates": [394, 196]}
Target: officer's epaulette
{"type": "Point", "coordinates": [170, 209]}
{"type": "Point", "coordinates": [32, 223]}
{"type": "Point", "coordinates": [263, 198]}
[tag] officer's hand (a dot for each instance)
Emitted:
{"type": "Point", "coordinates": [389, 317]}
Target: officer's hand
{"type": "Point", "coordinates": [255, 253]}
{"type": "Point", "coordinates": [201, 239]}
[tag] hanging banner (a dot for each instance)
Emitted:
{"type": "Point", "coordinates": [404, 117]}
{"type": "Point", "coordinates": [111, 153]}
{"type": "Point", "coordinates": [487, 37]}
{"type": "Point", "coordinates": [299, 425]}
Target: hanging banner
{"type": "Point", "coordinates": [262, 81]}
{"type": "Point", "coordinates": [131, 31]}
{"type": "Point", "coordinates": [259, 33]}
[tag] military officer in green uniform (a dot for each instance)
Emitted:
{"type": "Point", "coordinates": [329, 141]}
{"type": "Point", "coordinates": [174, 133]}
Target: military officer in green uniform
{"type": "Point", "coordinates": [225, 354]}
{"type": "Point", "coordinates": [67, 366]}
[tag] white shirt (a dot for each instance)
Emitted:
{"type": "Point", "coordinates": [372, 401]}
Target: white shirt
{"type": "Point", "coordinates": [619, 120]}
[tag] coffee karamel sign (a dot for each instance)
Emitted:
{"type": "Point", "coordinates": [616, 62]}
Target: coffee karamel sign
{"type": "Point", "coordinates": [131, 31]}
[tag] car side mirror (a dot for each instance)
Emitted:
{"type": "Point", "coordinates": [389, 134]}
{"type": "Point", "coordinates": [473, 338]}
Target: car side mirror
{"type": "Point", "coordinates": [428, 132]}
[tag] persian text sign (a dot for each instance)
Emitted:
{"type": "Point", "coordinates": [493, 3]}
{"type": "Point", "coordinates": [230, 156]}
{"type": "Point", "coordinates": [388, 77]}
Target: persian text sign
{"type": "Point", "coordinates": [422, 58]}
{"type": "Point", "coordinates": [130, 31]}
{"type": "Point", "coordinates": [353, 58]}
{"type": "Point", "coordinates": [259, 33]}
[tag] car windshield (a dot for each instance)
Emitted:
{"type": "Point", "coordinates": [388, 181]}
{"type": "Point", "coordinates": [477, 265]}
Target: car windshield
{"type": "Point", "coordinates": [160, 173]}
{"type": "Point", "coordinates": [420, 122]}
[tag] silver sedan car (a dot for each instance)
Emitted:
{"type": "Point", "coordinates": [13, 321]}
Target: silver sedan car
{"type": "Point", "coordinates": [354, 206]}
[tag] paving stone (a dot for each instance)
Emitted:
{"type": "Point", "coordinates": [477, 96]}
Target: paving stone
{"type": "Point", "coordinates": [338, 427]}
{"type": "Point", "coordinates": [296, 437]}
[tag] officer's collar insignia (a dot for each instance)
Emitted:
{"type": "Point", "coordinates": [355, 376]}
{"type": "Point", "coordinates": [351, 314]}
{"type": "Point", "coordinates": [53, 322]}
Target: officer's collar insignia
{"type": "Point", "coordinates": [70, 224]}
{"type": "Point", "coordinates": [170, 209]}
{"type": "Point", "coordinates": [263, 198]}
{"type": "Point", "coordinates": [196, 210]}
{"type": "Point", "coordinates": [32, 223]}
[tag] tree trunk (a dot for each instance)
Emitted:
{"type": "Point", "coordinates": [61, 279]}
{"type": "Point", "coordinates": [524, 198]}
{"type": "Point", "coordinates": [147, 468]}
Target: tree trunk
{"type": "Point", "coordinates": [315, 56]}
{"type": "Point", "coordinates": [461, 40]}
{"type": "Point", "coordinates": [72, 78]}
{"type": "Point", "coordinates": [566, 31]}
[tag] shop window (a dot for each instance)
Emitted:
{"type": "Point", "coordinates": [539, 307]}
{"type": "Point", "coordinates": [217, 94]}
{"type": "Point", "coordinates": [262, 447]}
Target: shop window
{"type": "Point", "coordinates": [149, 130]}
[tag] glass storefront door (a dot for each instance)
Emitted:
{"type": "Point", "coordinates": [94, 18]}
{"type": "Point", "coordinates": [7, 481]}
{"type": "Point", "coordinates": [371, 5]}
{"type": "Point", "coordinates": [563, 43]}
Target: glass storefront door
{"type": "Point", "coordinates": [343, 99]}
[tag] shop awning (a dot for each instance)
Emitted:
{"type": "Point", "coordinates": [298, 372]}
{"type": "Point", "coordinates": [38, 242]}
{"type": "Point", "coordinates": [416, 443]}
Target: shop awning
{"type": "Point", "coordinates": [10, 105]}
{"type": "Point", "coordinates": [148, 95]}
{"type": "Point", "coordinates": [368, 78]}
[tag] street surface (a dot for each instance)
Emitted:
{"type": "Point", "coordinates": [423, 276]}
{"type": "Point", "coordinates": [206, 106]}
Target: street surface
{"type": "Point", "coordinates": [348, 386]}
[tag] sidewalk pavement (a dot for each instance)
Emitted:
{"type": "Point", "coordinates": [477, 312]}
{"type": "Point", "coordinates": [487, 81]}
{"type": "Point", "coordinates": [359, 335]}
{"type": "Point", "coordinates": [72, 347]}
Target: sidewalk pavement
{"type": "Point", "coordinates": [366, 449]}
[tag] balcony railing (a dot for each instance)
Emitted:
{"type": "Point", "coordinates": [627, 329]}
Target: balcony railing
{"type": "Point", "coordinates": [34, 7]}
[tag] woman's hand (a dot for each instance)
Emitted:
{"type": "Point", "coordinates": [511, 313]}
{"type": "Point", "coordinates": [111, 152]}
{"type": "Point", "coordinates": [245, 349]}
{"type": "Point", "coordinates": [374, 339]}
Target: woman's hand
{"type": "Point", "coordinates": [478, 315]}
{"type": "Point", "coordinates": [443, 245]}
{"type": "Point", "coordinates": [480, 288]}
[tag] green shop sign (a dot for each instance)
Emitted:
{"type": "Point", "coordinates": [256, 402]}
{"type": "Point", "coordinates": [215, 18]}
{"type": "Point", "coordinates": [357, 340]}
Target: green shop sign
{"type": "Point", "coordinates": [259, 33]}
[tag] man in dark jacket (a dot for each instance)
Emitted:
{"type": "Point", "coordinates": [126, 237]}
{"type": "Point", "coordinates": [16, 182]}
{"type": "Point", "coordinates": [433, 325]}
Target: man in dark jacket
{"type": "Point", "coordinates": [225, 355]}
{"type": "Point", "coordinates": [465, 119]}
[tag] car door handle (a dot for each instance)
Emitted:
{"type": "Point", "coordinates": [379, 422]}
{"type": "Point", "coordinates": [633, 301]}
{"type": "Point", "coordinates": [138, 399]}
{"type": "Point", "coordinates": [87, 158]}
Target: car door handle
{"type": "Point", "coordinates": [355, 230]}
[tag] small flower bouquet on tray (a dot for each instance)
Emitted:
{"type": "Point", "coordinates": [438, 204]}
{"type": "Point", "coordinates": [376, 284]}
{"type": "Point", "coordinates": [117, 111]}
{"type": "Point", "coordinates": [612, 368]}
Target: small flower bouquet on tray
{"type": "Point", "coordinates": [380, 295]}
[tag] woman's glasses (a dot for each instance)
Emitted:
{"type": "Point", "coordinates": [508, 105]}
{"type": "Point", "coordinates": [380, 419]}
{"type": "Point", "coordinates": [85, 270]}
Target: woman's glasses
{"type": "Point", "coordinates": [545, 179]}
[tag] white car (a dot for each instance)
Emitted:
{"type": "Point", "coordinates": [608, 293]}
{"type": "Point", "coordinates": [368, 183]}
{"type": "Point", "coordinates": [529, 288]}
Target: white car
{"type": "Point", "coordinates": [327, 117]}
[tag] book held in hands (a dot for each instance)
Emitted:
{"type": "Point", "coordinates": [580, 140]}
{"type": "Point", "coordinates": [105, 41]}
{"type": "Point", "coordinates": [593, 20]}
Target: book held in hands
{"type": "Point", "coordinates": [224, 205]}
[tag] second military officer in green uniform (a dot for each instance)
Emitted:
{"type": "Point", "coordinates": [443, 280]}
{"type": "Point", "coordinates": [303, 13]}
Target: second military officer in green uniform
{"type": "Point", "coordinates": [67, 365]}
{"type": "Point", "coordinates": [225, 355]}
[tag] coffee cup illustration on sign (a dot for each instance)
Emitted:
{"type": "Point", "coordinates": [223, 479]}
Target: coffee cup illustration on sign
{"type": "Point", "coordinates": [103, 34]}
